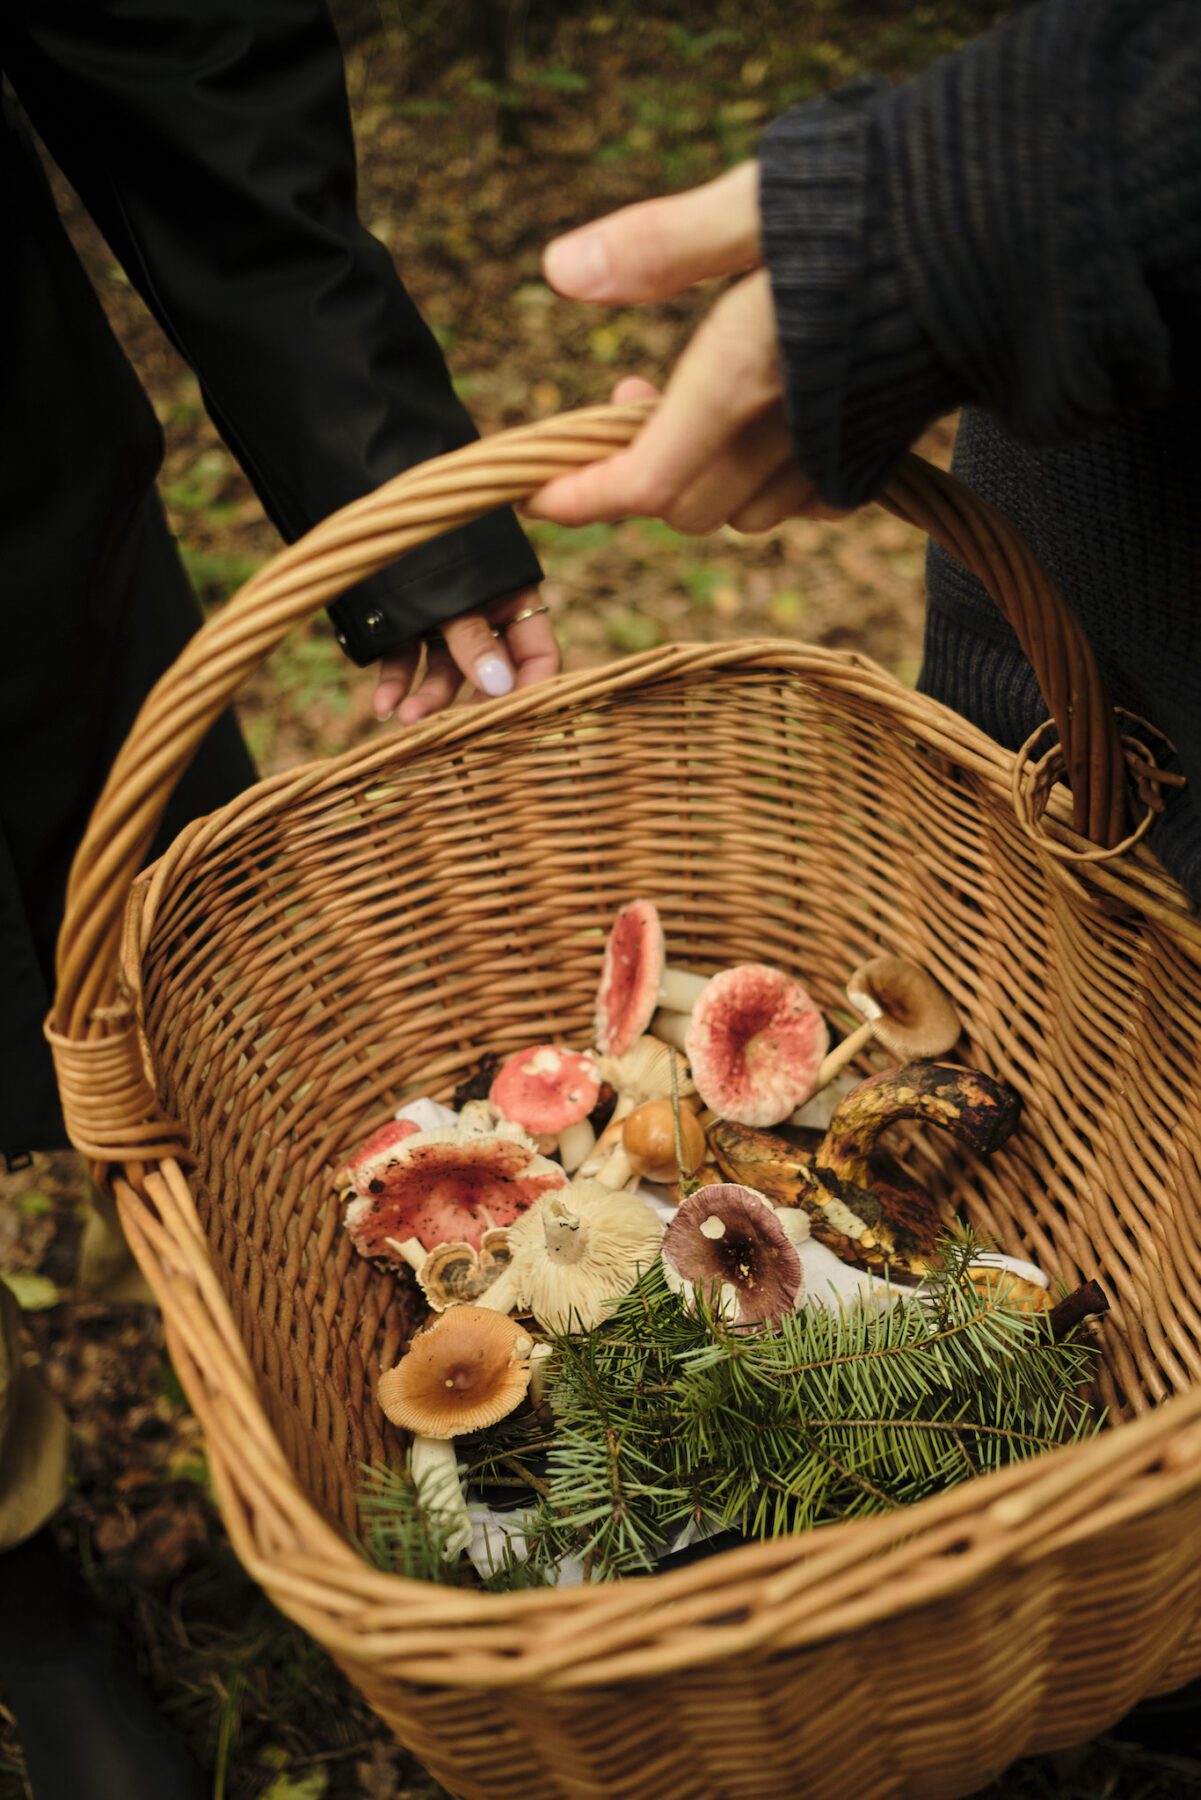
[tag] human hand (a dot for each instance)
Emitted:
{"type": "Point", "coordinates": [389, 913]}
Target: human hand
{"type": "Point", "coordinates": [486, 648]}
{"type": "Point", "coordinates": [718, 449]}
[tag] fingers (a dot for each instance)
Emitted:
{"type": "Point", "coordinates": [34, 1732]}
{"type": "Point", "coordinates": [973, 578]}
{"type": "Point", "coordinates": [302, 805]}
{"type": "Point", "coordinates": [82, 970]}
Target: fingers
{"type": "Point", "coordinates": [480, 654]}
{"type": "Point", "coordinates": [441, 683]}
{"type": "Point", "coordinates": [633, 387]}
{"type": "Point", "coordinates": [395, 679]}
{"type": "Point", "coordinates": [655, 249]}
{"type": "Point", "coordinates": [727, 377]}
{"type": "Point", "coordinates": [534, 649]}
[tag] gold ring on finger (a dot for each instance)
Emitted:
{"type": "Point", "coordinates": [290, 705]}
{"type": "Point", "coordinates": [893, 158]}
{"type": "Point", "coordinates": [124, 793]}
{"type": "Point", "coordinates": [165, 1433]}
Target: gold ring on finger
{"type": "Point", "coordinates": [530, 612]}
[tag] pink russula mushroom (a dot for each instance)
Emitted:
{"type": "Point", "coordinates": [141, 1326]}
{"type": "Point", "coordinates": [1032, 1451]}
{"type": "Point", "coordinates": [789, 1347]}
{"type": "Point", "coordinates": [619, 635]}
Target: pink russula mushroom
{"type": "Point", "coordinates": [755, 1044]}
{"type": "Point", "coordinates": [441, 1187]}
{"type": "Point", "coordinates": [550, 1091]}
{"type": "Point", "coordinates": [375, 1154]}
{"type": "Point", "coordinates": [729, 1244]}
{"type": "Point", "coordinates": [635, 979]}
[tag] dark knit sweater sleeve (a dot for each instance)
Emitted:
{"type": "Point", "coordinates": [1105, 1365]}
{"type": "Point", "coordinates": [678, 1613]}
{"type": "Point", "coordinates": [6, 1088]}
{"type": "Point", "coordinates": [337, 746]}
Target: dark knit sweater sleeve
{"type": "Point", "coordinates": [1019, 227]}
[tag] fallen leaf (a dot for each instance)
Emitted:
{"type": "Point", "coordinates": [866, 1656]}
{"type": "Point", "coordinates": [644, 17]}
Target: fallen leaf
{"type": "Point", "coordinates": [34, 1293]}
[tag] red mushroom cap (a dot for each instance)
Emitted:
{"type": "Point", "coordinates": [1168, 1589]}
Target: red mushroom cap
{"type": "Point", "coordinates": [439, 1189]}
{"type": "Point", "coordinates": [360, 1166]}
{"type": "Point", "coordinates": [630, 977]}
{"type": "Point", "coordinates": [546, 1089]}
{"type": "Point", "coordinates": [755, 1044]}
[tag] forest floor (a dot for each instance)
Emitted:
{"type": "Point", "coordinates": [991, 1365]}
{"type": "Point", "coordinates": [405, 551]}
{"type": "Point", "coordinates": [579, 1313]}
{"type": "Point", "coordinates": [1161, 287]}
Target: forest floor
{"type": "Point", "coordinates": [465, 178]}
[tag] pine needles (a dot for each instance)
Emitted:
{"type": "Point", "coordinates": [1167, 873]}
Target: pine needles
{"type": "Point", "coordinates": [671, 1424]}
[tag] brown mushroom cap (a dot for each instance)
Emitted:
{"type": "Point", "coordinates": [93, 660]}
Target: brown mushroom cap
{"type": "Point", "coordinates": [912, 1015]}
{"type": "Point", "coordinates": [469, 1369]}
{"type": "Point", "coordinates": [728, 1243]}
{"type": "Point", "coordinates": [649, 1136]}
{"type": "Point", "coordinates": [755, 1044]}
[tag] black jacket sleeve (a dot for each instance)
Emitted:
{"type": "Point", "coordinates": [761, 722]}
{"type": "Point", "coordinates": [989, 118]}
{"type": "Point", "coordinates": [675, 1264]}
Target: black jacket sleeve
{"type": "Point", "coordinates": [211, 141]}
{"type": "Point", "coordinates": [1019, 227]}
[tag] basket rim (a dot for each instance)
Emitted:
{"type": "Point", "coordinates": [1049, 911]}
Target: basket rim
{"type": "Point", "coordinates": [807, 1587]}
{"type": "Point", "coordinates": [1137, 879]}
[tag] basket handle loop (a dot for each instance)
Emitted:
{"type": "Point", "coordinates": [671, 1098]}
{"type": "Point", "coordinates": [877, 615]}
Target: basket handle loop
{"type": "Point", "coordinates": [366, 537]}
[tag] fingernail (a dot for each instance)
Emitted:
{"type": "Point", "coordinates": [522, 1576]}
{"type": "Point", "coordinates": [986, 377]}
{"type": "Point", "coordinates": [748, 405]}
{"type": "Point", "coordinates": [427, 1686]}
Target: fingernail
{"type": "Point", "coordinates": [578, 264]}
{"type": "Point", "coordinates": [493, 676]}
{"type": "Point", "coordinates": [383, 713]}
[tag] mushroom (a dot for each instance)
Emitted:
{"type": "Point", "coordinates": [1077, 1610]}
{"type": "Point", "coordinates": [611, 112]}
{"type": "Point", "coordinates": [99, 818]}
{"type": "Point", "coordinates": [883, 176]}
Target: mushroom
{"type": "Point", "coordinates": [458, 1271]}
{"type": "Point", "coordinates": [648, 1147]}
{"type": "Point", "coordinates": [468, 1370]}
{"type": "Point", "coordinates": [644, 1073]}
{"type": "Point", "coordinates": [755, 1043]}
{"type": "Point", "coordinates": [439, 1187]}
{"type": "Point", "coordinates": [731, 1245]}
{"type": "Point", "coordinates": [903, 1007]}
{"type": "Point", "coordinates": [576, 1254]}
{"type": "Point", "coordinates": [635, 979]}
{"type": "Point", "coordinates": [372, 1156]}
{"type": "Point", "coordinates": [863, 1206]}
{"type": "Point", "coordinates": [550, 1092]}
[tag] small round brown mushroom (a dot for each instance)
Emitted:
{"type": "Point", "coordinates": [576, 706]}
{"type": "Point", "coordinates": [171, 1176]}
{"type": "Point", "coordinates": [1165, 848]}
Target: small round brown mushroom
{"type": "Point", "coordinates": [469, 1369]}
{"type": "Point", "coordinates": [903, 1008]}
{"type": "Point", "coordinates": [648, 1146]}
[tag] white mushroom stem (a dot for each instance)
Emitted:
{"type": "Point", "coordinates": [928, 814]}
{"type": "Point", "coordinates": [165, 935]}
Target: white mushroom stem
{"type": "Point", "coordinates": [618, 1168]}
{"type": "Point", "coordinates": [576, 1145]}
{"type": "Point", "coordinates": [412, 1249]}
{"type": "Point", "coordinates": [841, 1055]}
{"type": "Point", "coordinates": [679, 990]}
{"type": "Point", "coordinates": [671, 1028]}
{"type": "Point", "coordinates": [435, 1471]}
{"type": "Point", "coordinates": [538, 1359]}
{"type": "Point", "coordinates": [566, 1234]}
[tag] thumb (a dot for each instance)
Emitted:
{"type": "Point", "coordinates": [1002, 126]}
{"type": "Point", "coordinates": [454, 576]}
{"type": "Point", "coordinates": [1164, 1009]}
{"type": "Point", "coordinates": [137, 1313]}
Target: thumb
{"type": "Point", "coordinates": [653, 250]}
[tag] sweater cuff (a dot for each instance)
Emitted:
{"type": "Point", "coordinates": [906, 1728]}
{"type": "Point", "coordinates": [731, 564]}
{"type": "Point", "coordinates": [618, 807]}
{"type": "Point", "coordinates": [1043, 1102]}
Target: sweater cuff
{"type": "Point", "coordinates": [862, 378]}
{"type": "Point", "coordinates": [453, 574]}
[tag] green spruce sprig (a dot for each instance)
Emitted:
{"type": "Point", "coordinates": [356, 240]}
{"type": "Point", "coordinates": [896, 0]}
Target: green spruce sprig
{"type": "Point", "coordinates": [668, 1417]}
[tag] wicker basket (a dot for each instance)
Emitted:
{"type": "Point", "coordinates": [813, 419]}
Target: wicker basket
{"type": "Point", "coordinates": [363, 929]}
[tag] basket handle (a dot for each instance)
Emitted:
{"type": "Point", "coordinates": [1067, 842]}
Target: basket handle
{"type": "Point", "coordinates": [90, 1029]}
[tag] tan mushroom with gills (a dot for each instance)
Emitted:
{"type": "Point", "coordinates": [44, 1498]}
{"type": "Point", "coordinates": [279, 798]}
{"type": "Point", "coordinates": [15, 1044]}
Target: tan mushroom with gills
{"type": "Point", "coordinates": [635, 980]}
{"type": "Point", "coordinates": [466, 1371]}
{"type": "Point", "coordinates": [549, 1092]}
{"type": "Point", "coordinates": [648, 1148]}
{"type": "Point", "coordinates": [730, 1245]}
{"type": "Point", "coordinates": [903, 1008]}
{"type": "Point", "coordinates": [755, 1043]}
{"type": "Point", "coordinates": [576, 1254]}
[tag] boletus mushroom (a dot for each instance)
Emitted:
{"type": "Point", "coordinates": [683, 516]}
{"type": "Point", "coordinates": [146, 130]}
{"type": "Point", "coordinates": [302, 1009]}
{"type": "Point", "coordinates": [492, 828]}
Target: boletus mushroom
{"type": "Point", "coordinates": [550, 1092]}
{"type": "Point", "coordinates": [755, 1043]}
{"type": "Point", "coordinates": [903, 1008]}
{"type": "Point", "coordinates": [635, 979]}
{"type": "Point", "coordinates": [730, 1245]}
{"type": "Point", "coordinates": [466, 1371]}
{"type": "Point", "coordinates": [860, 1203]}
{"type": "Point", "coordinates": [438, 1187]}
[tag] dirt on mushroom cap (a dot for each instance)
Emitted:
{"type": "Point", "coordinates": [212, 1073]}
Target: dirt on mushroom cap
{"type": "Point", "coordinates": [441, 1191]}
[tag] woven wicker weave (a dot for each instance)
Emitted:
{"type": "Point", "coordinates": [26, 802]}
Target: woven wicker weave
{"type": "Point", "coordinates": [362, 929]}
